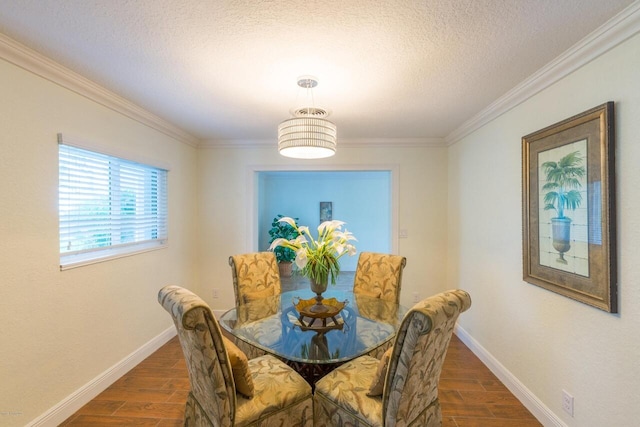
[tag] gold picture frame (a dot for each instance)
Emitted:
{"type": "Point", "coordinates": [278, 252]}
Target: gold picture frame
{"type": "Point", "coordinates": [568, 208]}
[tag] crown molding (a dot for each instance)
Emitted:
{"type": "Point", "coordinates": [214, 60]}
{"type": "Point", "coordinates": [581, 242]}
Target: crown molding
{"type": "Point", "coordinates": [236, 143]}
{"type": "Point", "coordinates": [38, 64]}
{"type": "Point", "coordinates": [618, 29]}
{"type": "Point", "coordinates": [342, 143]}
{"type": "Point", "coordinates": [392, 142]}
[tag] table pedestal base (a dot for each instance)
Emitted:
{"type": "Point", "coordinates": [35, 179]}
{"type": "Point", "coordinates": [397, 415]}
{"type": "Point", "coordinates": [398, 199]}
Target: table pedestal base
{"type": "Point", "coordinates": [312, 372]}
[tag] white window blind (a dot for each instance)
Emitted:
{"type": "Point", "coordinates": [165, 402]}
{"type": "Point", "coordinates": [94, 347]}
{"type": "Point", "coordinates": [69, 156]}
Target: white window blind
{"type": "Point", "coordinates": [108, 206]}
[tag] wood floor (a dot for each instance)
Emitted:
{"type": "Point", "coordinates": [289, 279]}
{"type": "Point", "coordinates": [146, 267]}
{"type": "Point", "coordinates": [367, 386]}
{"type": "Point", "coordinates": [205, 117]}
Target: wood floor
{"type": "Point", "coordinates": [154, 393]}
{"type": "Point", "coordinates": [471, 396]}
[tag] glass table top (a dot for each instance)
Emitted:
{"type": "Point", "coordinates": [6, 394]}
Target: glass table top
{"type": "Point", "coordinates": [274, 325]}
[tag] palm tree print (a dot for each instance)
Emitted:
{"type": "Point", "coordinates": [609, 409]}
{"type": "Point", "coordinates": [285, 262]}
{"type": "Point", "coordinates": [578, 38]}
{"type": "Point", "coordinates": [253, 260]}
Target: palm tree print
{"type": "Point", "coordinates": [563, 179]}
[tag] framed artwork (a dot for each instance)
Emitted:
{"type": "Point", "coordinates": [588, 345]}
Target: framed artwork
{"type": "Point", "coordinates": [326, 211]}
{"type": "Point", "coordinates": [568, 208]}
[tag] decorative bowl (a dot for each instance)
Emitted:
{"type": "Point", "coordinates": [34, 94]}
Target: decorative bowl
{"type": "Point", "coordinates": [307, 309]}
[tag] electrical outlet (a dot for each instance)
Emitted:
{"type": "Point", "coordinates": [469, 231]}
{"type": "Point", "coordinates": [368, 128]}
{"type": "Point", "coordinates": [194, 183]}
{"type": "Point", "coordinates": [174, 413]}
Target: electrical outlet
{"type": "Point", "coordinates": [403, 234]}
{"type": "Point", "coordinates": [215, 293]}
{"type": "Point", "coordinates": [416, 297]}
{"type": "Point", "coordinates": [567, 402]}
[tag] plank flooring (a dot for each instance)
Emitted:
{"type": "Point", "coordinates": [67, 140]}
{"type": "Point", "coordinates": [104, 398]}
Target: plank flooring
{"type": "Point", "coordinates": [154, 394]}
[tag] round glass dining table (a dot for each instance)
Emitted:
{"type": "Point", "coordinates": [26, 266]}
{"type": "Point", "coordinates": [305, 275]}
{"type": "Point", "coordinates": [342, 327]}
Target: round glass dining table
{"type": "Point", "coordinates": [273, 324]}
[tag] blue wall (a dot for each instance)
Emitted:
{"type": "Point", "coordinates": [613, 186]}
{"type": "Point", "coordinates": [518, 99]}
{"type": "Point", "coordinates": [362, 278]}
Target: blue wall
{"type": "Point", "coordinates": [362, 199]}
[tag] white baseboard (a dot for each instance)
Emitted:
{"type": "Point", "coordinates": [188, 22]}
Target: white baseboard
{"type": "Point", "coordinates": [522, 393]}
{"type": "Point", "coordinates": [70, 405]}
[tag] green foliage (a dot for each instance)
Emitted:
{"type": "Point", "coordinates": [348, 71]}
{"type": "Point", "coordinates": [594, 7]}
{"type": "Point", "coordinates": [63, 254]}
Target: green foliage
{"type": "Point", "coordinates": [563, 179]}
{"type": "Point", "coordinates": [322, 264]}
{"type": "Point", "coordinates": [318, 258]}
{"type": "Point", "coordinates": [282, 230]}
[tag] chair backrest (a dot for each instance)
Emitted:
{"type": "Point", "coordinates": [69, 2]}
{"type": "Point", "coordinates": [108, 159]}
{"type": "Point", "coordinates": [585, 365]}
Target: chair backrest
{"type": "Point", "coordinates": [421, 343]}
{"type": "Point", "coordinates": [379, 275]}
{"type": "Point", "coordinates": [210, 372]}
{"type": "Point", "coordinates": [254, 275]}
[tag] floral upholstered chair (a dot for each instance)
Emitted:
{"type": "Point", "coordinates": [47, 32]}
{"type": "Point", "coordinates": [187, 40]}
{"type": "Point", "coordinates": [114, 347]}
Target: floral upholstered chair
{"type": "Point", "coordinates": [379, 275]}
{"type": "Point", "coordinates": [255, 276]}
{"type": "Point", "coordinates": [226, 388]}
{"type": "Point", "coordinates": [402, 388]}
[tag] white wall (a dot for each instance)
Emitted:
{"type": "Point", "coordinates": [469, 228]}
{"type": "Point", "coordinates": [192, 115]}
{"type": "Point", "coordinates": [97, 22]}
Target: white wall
{"type": "Point", "coordinates": [549, 342]}
{"type": "Point", "coordinates": [362, 199]}
{"type": "Point", "coordinates": [227, 209]}
{"type": "Point", "coordinates": [59, 329]}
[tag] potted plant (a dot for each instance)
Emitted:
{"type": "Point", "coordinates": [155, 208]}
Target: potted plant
{"type": "Point", "coordinates": [285, 256]}
{"type": "Point", "coordinates": [318, 258]}
{"type": "Point", "coordinates": [563, 179]}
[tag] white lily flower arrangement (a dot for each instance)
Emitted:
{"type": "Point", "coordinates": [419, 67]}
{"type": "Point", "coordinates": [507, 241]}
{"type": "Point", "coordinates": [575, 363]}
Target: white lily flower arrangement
{"type": "Point", "coordinates": [318, 259]}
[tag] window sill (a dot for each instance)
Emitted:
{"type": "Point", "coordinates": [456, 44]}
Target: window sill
{"type": "Point", "coordinates": [67, 262]}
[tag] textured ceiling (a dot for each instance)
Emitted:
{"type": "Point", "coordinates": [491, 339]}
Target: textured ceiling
{"type": "Point", "coordinates": [227, 70]}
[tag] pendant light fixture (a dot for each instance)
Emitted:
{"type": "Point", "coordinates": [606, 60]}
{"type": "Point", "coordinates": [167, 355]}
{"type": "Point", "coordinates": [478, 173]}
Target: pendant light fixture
{"type": "Point", "coordinates": [308, 135]}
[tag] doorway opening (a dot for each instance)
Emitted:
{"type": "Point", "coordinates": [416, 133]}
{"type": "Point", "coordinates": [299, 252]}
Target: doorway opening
{"type": "Point", "coordinates": [363, 199]}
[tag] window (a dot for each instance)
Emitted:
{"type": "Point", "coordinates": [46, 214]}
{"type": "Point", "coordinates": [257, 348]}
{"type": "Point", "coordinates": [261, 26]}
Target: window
{"type": "Point", "coordinates": [109, 207]}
